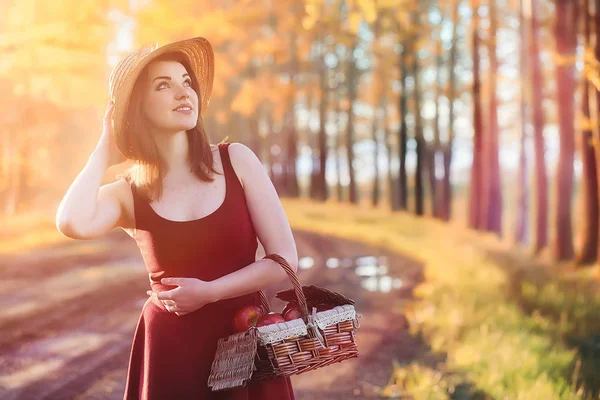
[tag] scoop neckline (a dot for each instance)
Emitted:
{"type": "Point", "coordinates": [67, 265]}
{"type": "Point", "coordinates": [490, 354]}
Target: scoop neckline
{"type": "Point", "coordinates": [208, 215]}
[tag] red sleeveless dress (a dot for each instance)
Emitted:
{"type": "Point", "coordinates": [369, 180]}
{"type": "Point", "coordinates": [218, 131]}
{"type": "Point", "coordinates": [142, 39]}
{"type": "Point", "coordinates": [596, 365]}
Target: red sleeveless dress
{"type": "Point", "coordinates": [171, 355]}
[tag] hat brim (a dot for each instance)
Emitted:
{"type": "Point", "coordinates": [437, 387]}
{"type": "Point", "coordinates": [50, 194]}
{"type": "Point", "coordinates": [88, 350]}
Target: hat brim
{"type": "Point", "coordinates": [198, 52]}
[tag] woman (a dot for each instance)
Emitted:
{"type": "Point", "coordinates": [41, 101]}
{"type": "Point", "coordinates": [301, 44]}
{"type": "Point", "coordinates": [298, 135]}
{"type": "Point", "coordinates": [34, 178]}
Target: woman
{"type": "Point", "coordinates": [195, 211]}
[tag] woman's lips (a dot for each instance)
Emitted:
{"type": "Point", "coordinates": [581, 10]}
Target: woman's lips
{"type": "Point", "coordinates": [184, 111]}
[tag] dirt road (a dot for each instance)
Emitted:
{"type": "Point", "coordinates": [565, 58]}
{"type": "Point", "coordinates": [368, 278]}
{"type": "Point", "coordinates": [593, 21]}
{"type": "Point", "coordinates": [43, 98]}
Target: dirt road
{"type": "Point", "coordinates": [69, 312]}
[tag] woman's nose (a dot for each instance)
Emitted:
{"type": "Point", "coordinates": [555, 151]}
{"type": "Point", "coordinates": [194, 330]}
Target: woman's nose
{"type": "Point", "coordinates": [182, 93]}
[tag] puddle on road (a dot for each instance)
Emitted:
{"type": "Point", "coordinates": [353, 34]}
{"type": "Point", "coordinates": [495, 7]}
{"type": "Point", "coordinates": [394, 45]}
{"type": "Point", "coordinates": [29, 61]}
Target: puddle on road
{"type": "Point", "coordinates": [373, 271]}
{"type": "Point", "coordinates": [306, 263]}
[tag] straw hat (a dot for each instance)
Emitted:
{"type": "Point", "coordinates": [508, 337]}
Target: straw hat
{"type": "Point", "coordinates": [198, 52]}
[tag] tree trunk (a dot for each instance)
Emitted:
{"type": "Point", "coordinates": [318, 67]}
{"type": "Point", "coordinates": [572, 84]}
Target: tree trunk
{"type": "Point", "coordinates": [420, 148]}
{"type": "Point", "coordinates": [475, 218]}
{"type": "Point", "coordinates": [446, 196]}
{"type": "Point", "coordinates": [523, 198]}
{"type": "Point", "coordinates": [338, 140]}
{"type": "Point", "coordinates": [292, 154]}
{"type": "Point", "coordinates": [429, 152]}
{"type": "Point", "coordinates": [322, 193]}
{"type": "Point", "coordinates": [541, 179]}
{"type": "Point", "coordinates": [291, 151]}
{"type": "Point", "coordinates": [391, 184]}
{"type": "Point", "coordinates": [352, 78]}
{"type": "Point", "coordinates": [376, 189]}
{"type": "Point", "coordinates": [492, 184]}
{"type": "Point", "coordinates": [566, 41]}
{"type": "Point", "coordinates": [435, 149]}
{"type": "Point", "coordinates": [596, 114]}
{"type": "Point", "coordinates": [251, 121]}
{"type": "Point", "coordinates": [589, 178]}
{"type": "Point", "coordinates": [313, 190]}
{"type": "Point", "coordinates": [377, 74]}
{"type": "Point", "coordinates": [403, 132]}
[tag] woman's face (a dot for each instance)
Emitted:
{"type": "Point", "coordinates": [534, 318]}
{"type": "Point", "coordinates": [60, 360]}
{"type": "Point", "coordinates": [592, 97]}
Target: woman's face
{"type": "Point", "coordinates": [169, 103]}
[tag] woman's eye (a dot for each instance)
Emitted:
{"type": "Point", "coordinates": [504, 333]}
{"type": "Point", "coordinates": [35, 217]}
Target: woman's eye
{"type": "Point", "coordinates": [165, 85]}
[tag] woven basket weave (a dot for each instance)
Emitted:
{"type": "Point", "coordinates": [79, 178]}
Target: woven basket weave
{"type": "Point", "coordinates": [288, 348]}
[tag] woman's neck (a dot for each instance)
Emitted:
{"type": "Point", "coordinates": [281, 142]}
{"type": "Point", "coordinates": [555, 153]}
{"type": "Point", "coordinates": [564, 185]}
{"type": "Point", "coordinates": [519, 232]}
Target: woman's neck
{"type": "Point", "coordinates": [174, 151]}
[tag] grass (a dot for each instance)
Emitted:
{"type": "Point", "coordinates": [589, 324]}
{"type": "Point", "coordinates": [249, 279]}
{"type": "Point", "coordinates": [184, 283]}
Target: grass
{"type": "Point", "coordinates": [503, 325]}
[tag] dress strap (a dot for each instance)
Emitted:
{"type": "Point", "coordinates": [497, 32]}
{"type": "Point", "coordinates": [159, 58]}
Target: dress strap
{"type": "Point", "coordinates": [225, 160]}
{"type": "Point", "coordinates": [228, 170]}
{"type": "Point", "coordinates": [137, 204]}
{"type": "Point", "coordinates": [224, 151]}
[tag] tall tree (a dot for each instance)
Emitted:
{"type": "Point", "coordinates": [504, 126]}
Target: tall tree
{"type": "Point", "coordinates": [446, 195]}
{"type": "Point", "coordinates": [391, 182]}
{"type": "Point", "coordinates": [378, 95]}
{"type": "Point", "coordinates": [352, 83]}
{"type": "Point", "coordinates": [312, 99]}
{"type": "Point", "coordinates": [589, 178]}
{"type": "Point", "coordinates": [403, 131]}
{"type": "Point", "coordinates": [522, 199]}
{"type": "Point", "coordinates": [420, 140]}
{"type": "Point", "coordinates": [475, 196]}
{"type": "Point", "coordinates": [433, 149]}
{"type": "Point", "coordinates": [320, 181]}
{"type": "Point", "coordinates": [565, 32]}
{"type": "Point", "coordinates": [322, 192]}
{"type": "Point", "coordinates": [376, 193]}
{"type": "Point", "coordinates": [596, 111]}
{"type": "Point", "coordinates": [492, 185]}
{"type": "Point", "coordinates": [291, 150]}
{"type": "Point", "coordinates": [338, 133]}
{"type": "Point", "coordinates": [541, 179]}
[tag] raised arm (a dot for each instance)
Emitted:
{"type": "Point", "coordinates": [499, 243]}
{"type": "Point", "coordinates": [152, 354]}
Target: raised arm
{"type": "Point", "coordinates": [89, 210]}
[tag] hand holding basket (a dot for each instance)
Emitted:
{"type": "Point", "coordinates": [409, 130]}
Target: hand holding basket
{"type": "Point", "coordinates": [289, 348]}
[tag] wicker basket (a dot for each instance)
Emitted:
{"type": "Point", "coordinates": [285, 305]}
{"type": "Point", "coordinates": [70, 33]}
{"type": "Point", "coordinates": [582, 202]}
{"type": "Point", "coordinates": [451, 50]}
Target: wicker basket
{"type": "Point", "coordinates": [288, 348]}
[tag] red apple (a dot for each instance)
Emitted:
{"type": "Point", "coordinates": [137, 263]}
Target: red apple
{"type": "Point", "coordinates": [270, 318]}
{"type": "Point", "coordinates": [246, 317]}
{"type": "Point", "coordinates": [288, 306]}
{"type": "Point", "coordinates": [292, 313]}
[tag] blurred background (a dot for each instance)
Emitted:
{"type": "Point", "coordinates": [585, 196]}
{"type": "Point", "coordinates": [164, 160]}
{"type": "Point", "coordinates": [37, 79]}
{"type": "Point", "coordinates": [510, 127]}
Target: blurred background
{"type": "Point", "coordinates": [462, 133]}
{"type": "Point", "coordinates": [455, 109]}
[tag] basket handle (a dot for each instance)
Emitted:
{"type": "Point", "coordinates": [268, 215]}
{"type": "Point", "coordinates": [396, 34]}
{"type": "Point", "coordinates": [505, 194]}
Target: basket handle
{"type": "Point", "coordinates": [264, 302]}
{"type": "Point", "coordinates": [293, 277]}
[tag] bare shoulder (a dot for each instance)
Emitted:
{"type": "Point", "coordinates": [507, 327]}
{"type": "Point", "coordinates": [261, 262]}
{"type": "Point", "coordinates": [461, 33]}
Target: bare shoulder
{"type": "Point", "coordinates": [242, 155]}
{"type": "Point", "coordinates": [244, 161]}
{"type": "Point", "coordinates": [120, 190]}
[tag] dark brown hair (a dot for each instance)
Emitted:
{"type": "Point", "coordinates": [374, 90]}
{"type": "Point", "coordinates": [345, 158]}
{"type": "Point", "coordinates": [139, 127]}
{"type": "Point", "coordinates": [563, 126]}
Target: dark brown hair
{"type": "Point", "coordinates": [149, 169]}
